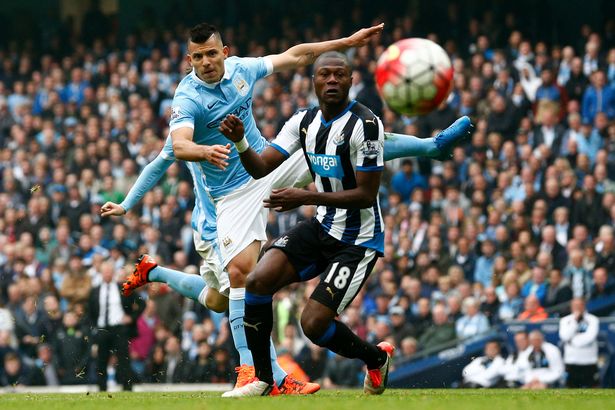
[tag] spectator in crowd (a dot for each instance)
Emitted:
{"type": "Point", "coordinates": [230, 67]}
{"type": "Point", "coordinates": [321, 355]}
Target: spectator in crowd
{"type": "Point", "coordinates": [73, 350]}
{"type": "Point", "coordinates": [16, 373]}
{"type": "Point", "coordinates": [202, 367]}
{"type": "Point", "coordinates": [473, 322]}
{"type": "Point", "coordinates": [114, 316]}
{"type": "Point", "coordinates": [490, 305]}
{"type": "Point", "coordinates": [558, 291]}
{"type": "Point", "coordinates": [440, 332]}
{"type": "Point", "coordinates": [544, 363]}
{"type": "Point", "coordinates": [533, 312]}
{"type": "Point", "coordinates": [177, 366]}
{"type": "Point", "coordinates": [514, 368]}
{"type": "Point", "coordinates": [407, 349]}
{"type": "Point", "coordinates": [406, 180]}
{"type": "Point", "coordinates": [485, 371]}
{"type": "Point", "coordinates": [579, 333]}
{"type": "Point", "coordinates": [46, 364]}
{"type": "Point", "coordinates": [537, 285]}
{"type": "Point", "coordinates": [400, 328]}
{"type": "Point", "coordinates": [604, 284]}
{"type": "Point", "coordinates": [484, 264]}
{"type": "Point", "coordinates": [577, 275]}
{"type": "Point", "coordinates": [512, 304]}
{"type": "Point", "coordinates": [598, 97]}
{"type": "Point", "coordinates": [29, 327]}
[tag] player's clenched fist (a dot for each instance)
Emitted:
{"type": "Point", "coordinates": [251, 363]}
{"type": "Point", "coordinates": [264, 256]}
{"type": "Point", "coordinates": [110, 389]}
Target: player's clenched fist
{"type": "Point", "coordinates": [112, 209]}
{"type": "Point", "coordinates": [232, 128]}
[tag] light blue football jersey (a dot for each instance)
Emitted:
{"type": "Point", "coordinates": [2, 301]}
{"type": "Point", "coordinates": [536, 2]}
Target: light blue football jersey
{"type": "Point", "coordinates": [203, 106]}
{"type": "Point", "coordinates": [204, 212]}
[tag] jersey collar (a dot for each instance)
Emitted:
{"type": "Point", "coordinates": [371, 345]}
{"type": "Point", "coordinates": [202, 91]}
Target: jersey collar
{"type": "Point", "coordinates": [225, 76]}
{"type": "Point", "coordinates": [338, 116]}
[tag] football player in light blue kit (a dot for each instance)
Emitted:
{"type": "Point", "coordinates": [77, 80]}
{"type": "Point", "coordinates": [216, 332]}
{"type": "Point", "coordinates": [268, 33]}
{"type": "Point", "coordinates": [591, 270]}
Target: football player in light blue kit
{"type": "Point", "coordinates": [200, 105]}
{"type": "Point", "coordinates": [219, 86]}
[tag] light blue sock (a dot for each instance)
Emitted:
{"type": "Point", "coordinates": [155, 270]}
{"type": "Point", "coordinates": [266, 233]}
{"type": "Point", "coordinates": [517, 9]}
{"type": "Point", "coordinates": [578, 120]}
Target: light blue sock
{"type": "Point", "coordinates": [237, 308]}
{"type": "Point", "coordinates": [185, 284]}
{"type": "Point", "coordinates": [278, 373]}
{"type": "Point", "coordinates": [402, 146]}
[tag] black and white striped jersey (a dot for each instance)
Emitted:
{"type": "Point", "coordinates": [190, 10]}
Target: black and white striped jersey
{"type": "Point", "coordinates": [334, 151]}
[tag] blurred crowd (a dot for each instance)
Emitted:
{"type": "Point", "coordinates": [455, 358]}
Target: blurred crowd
{"type": "Point", "coordinates": [518, 223]}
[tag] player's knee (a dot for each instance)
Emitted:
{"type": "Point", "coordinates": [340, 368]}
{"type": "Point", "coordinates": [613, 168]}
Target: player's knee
{"type": "Point", "coordinates": [215, 303]}
{"type": "Point", "coordinates": [257, 284]}
{"type": "Point", "coordinates": [314, 326]}
{"type": "Point", "coordinates": [237, 277]}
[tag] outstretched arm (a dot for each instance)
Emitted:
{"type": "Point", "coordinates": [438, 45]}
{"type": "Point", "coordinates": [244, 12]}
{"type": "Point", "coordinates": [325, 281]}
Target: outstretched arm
{"type": "Point", "coordinates": [257, 165]}
{"type": "Point", "coordinates": [306, 53]}
{"type": "Point", "coordinates": [148, 178]}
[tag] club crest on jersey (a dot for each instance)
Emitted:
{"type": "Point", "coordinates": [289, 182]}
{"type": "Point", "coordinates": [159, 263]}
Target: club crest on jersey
{"type": "Point", "coordinates": [329, 166]}
{"type": "Point", "coordinates": [370, 149]}
{"type": "Point", "coordinates": [241, 85]}
{"type": "Point", "coordinates": [339, 138]}
{"type": "Point", "coordinates": [175, 113]}
{"type": "Point", "coordinates": [227, 241]}
{"type": "Point", "coordinates": [282, 241]}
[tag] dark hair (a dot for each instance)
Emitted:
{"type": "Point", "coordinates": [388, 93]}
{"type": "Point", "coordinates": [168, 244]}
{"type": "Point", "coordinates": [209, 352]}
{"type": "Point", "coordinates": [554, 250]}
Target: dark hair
{"type": "Point", "coordinates": [202, 32]}
{"type": "Point", "coordinates": [332, 55]}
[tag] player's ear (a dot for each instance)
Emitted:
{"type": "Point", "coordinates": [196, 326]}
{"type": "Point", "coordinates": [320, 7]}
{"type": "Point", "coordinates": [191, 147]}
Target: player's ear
{"type": "Point", "coordinates": [189, 59]}
{"type": "Point", "coordinates": [225, 51]}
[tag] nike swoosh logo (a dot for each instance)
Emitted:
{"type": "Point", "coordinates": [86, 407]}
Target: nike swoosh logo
{"type": "Point", "coordinates": [211, 105]}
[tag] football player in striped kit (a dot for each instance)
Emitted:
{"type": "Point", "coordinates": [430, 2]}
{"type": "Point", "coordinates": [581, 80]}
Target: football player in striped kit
{"type": "Point", "coordinates": [342, 142]}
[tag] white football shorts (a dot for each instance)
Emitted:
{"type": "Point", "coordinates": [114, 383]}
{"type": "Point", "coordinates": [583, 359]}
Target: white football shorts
{"type": "Point", "coordinates": [241, 216]}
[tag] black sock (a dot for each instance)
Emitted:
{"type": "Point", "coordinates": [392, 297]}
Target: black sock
{"type": "Point", "coordinates": [258, 323]}
{"type": "Point", "coordinates": [345, 343]}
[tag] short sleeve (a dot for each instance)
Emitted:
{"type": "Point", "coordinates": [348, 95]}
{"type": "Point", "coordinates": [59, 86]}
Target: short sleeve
{"type": "Point", "coordinates": [368, 142]}
{"type": "Point", "coordinates": [288, 139]}
{"type": "Point", "coordinates": [258, 67]}
{"type": "Point", "coordinates": [183, 113]}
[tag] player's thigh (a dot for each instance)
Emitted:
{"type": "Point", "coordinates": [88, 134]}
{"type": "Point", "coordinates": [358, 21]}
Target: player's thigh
{"type": "Point", "coordinates": [342, 279]}
{"type": "Point", "coordinates": [211, 265]}
{"type": "Point", "coordinates": [293, 172]}
{"type": "Point", "coordinates": [241, 221]}
{"type": "Point", "coordinates": [273, 272]}
{"type": "Point", "coordinates": [302, 246]}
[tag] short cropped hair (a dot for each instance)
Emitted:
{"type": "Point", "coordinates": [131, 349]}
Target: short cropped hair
{"type": "Point", "coordinates": [332, 54]}
{"type": "Point", "coordinates": [202, 32]}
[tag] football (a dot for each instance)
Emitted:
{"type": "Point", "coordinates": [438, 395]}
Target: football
{"type": "Point", "coordinates": [414, 76]}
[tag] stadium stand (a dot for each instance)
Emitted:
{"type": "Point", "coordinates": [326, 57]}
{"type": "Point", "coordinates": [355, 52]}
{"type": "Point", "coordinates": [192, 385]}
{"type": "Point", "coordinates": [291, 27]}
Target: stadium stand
{"type": "Point", "coordinates": [520, 221]}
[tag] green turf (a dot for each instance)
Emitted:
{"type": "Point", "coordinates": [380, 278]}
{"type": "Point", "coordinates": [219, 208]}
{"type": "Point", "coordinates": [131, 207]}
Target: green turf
{"type": "Point", "coordinates": [325, 400]}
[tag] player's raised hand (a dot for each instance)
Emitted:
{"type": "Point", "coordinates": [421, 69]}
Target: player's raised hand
{"type": "Point", "coordinates": [362, 37]}
{"type": "Point", "coordinates": [232, 128]}
{"type": "Point", "coordinates": [217, 155]}
{"type": "Point", "coordinates": [111, 209]}
{"type": "Point", "coordinates": [285, 199]}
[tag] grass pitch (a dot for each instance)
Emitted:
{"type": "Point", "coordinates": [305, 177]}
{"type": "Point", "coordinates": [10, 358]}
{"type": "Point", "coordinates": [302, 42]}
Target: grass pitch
{"type": "Point", "coordinates": [325, 400]}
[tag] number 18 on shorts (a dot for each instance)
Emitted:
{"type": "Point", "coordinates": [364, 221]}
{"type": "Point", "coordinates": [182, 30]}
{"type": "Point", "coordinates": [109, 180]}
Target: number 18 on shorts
{"type": "Point", "coordinates": [343, 267]}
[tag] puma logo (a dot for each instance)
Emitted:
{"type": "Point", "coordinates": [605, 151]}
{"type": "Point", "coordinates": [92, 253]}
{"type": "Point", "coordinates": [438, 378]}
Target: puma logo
{"type": "Point", "coordinates": [255, 327]}
{"type": "Point", "coordinates": [331, 292]}
{"type": "Point", "coordinates": [373, 121]}
{"type": "Point", "coordinates": [304, 130]}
